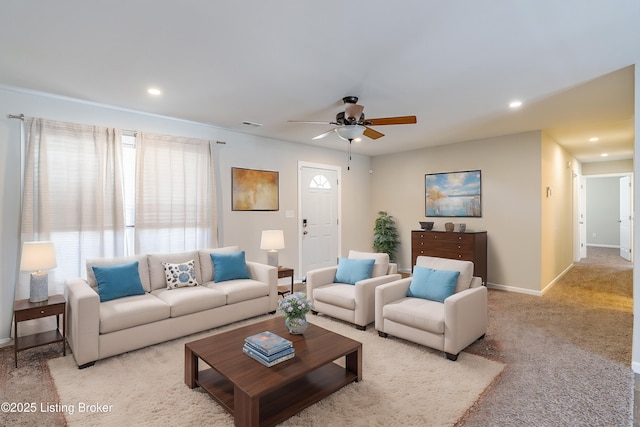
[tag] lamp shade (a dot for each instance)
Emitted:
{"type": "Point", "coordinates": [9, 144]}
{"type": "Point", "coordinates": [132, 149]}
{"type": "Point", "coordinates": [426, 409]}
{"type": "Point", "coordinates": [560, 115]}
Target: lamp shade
{"type": "Point", "coordinates": [349, 132]}
{"type": "Point", "coordinates": [37, 256]}
{"type": "Point", "coordinates": [272, 240]}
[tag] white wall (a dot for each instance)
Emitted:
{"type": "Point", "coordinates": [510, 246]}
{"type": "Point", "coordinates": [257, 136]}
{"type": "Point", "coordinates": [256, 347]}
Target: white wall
{"type": "Point", "coordinates": [635, 355]}
{"type": "Point", "coordinates": [557, 214]}
{"type": "Point", "coordinates": [511, 201]}
{"type": "Point", "coordinates": [240, 150]}
{"type": "Point", "coordinates": [603, 211]}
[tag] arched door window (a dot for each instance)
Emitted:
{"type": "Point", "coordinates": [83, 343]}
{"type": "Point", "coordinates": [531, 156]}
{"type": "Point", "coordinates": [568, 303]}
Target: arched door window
{"type": "Point", "coordinates": [320, 182]}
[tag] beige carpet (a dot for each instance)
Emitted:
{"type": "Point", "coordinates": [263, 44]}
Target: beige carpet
{"type": "Point", "coordinates": [403, 384]}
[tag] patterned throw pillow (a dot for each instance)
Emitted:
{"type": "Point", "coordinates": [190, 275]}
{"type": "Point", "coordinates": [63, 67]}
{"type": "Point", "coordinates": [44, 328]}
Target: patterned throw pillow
{"type": "Point", "coordinates": [180, 275]}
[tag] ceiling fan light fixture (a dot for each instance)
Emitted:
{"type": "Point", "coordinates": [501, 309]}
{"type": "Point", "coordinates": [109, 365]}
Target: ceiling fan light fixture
{"type": "Point", "coordinates": [350, 132]}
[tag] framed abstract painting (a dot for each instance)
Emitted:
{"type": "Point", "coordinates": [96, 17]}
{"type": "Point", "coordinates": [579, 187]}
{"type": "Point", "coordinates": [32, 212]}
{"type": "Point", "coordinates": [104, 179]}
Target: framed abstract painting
{"type": "Point", "coordinates": [254, 190]}
{"type": "Point", "coordinates": [453, 194]}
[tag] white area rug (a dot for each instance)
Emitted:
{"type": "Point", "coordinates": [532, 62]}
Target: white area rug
{"type": "Point", "coordinates": [403, 385]}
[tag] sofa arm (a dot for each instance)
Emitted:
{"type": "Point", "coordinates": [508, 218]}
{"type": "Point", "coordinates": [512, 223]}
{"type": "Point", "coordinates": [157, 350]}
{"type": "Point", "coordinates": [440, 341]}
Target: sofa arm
{"type": "Point", "coordinates": [465, 317]}
{"type": "Point", "coordinates": [266, 274]}
{"type": "Point", "coordinates": [83, 321]}
{"type": "Point", "coordinates": [319, 277]}
{"type": "Point", "coordinates": [386, 294]}
{"type": "Point", "coordinates": [365, 297]}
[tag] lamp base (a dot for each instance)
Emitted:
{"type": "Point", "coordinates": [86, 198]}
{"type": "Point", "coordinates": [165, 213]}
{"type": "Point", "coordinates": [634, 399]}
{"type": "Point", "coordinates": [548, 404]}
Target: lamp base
{"type": "Point", "coordinates": [39, 287]}
{"type": "Point", "coordinates": [272, 258]}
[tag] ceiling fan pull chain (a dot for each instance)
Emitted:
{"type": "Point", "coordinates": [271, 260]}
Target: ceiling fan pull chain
{"type": "Point", "coordinates": [349, 162]}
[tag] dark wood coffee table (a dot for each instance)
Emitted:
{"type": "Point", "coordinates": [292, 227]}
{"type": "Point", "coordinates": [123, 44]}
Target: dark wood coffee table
{"type": "Point", "coordinates": [259, 396]}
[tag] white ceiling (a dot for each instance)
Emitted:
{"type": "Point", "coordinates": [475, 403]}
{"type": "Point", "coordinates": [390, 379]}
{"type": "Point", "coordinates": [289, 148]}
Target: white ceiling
{"type": "Point", "coordinates": [454, 64]}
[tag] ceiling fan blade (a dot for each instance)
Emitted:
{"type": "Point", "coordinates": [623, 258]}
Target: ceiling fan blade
{"type": "Point", "coordinates": [371, 133]}
{"type": "Point", "coordinates": [322, 135]}
{"type": "Point", "coordinates": [353, 111]}
{"type": "Point", "coordinates": [315, 123]}
{"type": "Point", "coordinates": [403, 120]}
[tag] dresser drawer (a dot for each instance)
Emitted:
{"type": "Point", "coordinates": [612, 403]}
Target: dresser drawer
{"type": "Point", "coordinates": [443, 253]}
{"type": "Point", "coordinates": [452, 244]}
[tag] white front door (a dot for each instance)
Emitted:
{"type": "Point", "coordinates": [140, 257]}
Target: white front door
{"type": "Point", "coordinates": [319, 229]}
{"type": "Point", "coordinates": [625, 217]}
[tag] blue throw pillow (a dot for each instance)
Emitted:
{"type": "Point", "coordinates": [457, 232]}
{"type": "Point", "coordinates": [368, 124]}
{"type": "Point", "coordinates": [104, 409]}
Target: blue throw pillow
{"type": "Point", "coordinates": [117, 281]}
{"type": "Point", "coordinates": [353, 270]}
{"type": "Point", "coordinates": [229, 267]}
{"type": "Point", "coordinates": [435, 285]}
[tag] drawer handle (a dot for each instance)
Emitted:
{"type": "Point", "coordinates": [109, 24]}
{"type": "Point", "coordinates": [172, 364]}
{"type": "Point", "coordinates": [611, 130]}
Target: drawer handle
{"type": "Point", "coordinates": [41, 311]}
{"type": "Point", "coordinates": [459, 256]}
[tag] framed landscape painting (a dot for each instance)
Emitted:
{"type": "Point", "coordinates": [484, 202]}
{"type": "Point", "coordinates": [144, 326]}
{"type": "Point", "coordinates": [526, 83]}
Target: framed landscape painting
{"type": "Point", "coordinates": [254, 190]}
{"type": "Point", "coordinates": [453, 194]}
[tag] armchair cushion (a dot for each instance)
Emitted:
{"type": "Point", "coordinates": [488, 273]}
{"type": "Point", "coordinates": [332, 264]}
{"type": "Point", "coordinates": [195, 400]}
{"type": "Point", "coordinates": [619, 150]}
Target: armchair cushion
{"type": "Point", "coordinates": [435, 285]}
{"type": "Point", "coordinates": [353, 270]}
{"type": "Point", "coordinates": [381, 266]}
{"type": "Point", "coordinates": [229, 267]}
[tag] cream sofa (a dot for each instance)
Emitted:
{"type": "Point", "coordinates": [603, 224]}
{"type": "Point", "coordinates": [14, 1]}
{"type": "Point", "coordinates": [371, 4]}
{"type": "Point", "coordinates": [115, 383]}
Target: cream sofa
{"type": "Point", "coordinates": [97, 330]}
{"type": "Point", "coordinates": [448, 326]}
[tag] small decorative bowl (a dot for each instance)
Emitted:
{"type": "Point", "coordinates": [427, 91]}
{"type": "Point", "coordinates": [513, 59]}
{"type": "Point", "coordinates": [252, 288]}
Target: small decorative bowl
{"type": "Point", "coordinates": [426, 225]}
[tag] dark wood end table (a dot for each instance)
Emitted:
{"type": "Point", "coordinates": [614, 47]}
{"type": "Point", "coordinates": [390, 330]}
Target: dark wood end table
{"type": "Point", "coordinates": [285, 272]}
{"type": "Point", "coordinates": [26, 310]}
{"type": "Point", "coordinates": [259, 396]}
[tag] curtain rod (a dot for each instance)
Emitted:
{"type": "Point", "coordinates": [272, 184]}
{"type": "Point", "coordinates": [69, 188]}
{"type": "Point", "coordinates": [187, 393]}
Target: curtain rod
{"type": "Point", "coordinates": [16, 116]}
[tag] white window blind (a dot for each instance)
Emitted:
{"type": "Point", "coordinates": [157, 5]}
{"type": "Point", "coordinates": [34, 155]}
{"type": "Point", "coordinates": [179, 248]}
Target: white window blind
{"type": "Point", "coordinates": [175, 194]}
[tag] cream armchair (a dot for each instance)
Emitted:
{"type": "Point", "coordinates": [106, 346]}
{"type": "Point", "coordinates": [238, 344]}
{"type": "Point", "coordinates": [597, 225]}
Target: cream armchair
{"type": "Point", "coordinates": [353, 303]}
{"type": "Point", "coordinates": [448, 326]}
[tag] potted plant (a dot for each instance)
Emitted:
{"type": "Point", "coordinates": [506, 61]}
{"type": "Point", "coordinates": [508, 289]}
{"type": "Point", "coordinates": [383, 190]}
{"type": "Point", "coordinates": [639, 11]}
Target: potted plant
{"type": "Point", "coordinates": [295, 308]}
{"type": "Point", "coordinates": [385, 235]}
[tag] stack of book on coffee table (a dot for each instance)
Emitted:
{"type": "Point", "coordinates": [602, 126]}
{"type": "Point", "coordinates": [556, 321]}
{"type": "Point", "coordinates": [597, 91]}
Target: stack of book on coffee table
{"type": "Point", "coordinates": [268, 348]}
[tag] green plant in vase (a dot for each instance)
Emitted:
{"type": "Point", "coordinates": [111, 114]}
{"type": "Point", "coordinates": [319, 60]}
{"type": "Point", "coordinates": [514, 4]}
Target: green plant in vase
{"type": "Point", "coordinates": [385, 235]}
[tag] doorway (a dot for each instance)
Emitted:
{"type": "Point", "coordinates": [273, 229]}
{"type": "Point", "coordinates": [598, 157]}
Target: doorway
{"type": "Point", "coordinates": [319, 207]}
{"type": "Point", "coordinates": [608, 214]}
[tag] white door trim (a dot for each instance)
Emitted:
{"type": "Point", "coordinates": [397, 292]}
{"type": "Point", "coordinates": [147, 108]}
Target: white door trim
{"type": "Point", "coordinates": [338, 170]}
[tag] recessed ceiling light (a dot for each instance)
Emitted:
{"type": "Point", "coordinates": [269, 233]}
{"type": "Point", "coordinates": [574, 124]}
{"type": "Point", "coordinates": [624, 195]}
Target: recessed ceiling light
{"type": "Point", "coordinates": [154, 91]}
{"type": "Point", "coordinates": [515, 104]}
{"type": "Point", "coordinates": [604, 155]}
{"type": "Point", "coordinates": [594, 139]}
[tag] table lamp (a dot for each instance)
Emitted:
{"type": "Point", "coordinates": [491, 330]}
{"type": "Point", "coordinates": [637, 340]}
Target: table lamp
{"type": "Point", "coordinates": [38, 256]}
{"type": "Point", "coordinates": [271, 241]}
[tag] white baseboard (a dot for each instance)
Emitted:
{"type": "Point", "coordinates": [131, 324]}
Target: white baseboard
{"type": "Point", "coordinates": [513, 289]}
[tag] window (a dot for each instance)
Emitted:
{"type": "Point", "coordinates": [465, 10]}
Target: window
{"type": "Point", "coordinates": [320, 182]}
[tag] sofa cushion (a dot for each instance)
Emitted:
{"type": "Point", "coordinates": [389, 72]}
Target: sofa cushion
{"type": "Point", "coordinates": [436, 285]}
{"type": "Point", "coordinates": [240, 290]}
{"type": "Point", "coordinates": [118, 281]}
{"type": "Point", "coordinates": [189, 300]}
{"type": "Point", "coordinates": [229, 267]}
{"type": "Point", "coordinates": [132, 311]}
{"type": "Point", "coordinates": [143, 269]}
{"type": "Point", "coordinates": [464, 267]}
{"type": "Point", "coordinates": [157, 278]}
{"type": "Point", "coordinates": [418, 313]}
{"type": "Point", "coordinates": [353, 270]}
{"type": "Point", "coordinates": [206, 263]}
{"type": "Point", "coordinates": [180, 275]}
{"type": "Point", "coordinates": [337, 294]}
{"type": "Point", "coordinates": [381, 266]}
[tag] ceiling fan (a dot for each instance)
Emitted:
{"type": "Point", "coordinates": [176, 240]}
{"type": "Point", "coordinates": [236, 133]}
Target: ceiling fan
{"type": "Point", "coordinates": [351, 123]}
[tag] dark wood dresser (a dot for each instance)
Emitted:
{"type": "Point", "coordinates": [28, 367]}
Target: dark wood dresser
{"type": "Point", "coordinates": [467, 246]}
